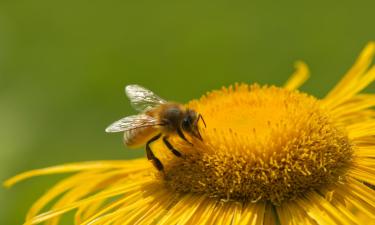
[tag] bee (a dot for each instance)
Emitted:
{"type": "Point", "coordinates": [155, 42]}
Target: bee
{"type": "Point", "coordinates": [157, 119]}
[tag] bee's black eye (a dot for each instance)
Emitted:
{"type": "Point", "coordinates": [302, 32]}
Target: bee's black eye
{"type": "Point", "coordinates": [186, 123]}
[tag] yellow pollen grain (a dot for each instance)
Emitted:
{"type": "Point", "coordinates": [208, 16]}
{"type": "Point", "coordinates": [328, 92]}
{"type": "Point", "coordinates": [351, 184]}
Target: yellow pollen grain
{"type": "Point", "coordinates": [261, 143]}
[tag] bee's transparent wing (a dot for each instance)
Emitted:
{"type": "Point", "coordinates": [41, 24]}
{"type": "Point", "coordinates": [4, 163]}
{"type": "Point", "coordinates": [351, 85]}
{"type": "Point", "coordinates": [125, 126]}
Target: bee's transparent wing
{"type": "Point", "coordinates": [141, 98]}
{"type": "Point", "coordinates": [131, 123]}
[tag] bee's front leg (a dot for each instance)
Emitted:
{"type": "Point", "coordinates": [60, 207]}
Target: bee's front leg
{"type": "Point", "coordinates": [182, 136]}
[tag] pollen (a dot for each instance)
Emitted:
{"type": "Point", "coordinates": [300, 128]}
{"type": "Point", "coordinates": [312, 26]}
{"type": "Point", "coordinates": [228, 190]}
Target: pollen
{"type": "Point", "coordinates": [261, 143]}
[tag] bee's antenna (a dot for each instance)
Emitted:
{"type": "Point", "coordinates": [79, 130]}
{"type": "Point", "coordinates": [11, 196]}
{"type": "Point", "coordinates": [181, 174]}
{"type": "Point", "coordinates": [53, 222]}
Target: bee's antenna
{"type": "Point", "coordinates": [201, 117]}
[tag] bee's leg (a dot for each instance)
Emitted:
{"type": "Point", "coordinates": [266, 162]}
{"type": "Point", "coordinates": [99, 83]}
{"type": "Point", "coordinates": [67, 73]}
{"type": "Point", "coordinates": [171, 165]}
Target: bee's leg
{"type": "Point", "coordinates": [150, 154]}
{"type": "Point", "coordinates": [169, 145]}
{"type": "Point", "coordinates": [181, 134]}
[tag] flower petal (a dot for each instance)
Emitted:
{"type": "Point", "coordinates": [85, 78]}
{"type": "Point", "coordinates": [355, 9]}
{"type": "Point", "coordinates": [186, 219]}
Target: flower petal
{"type": "Point", "coordinates": [299, 77]}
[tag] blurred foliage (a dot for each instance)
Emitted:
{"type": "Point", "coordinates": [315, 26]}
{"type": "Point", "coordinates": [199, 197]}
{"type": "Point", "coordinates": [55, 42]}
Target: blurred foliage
{"type": "Point", "coordinates": [64, 64]}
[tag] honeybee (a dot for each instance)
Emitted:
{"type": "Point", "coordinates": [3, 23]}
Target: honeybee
{"type": "Point", "coordinates": [157, 119]}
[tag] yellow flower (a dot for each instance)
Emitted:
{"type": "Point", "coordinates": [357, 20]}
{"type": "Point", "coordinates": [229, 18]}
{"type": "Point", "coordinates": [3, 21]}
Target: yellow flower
{"type": "Point", "coordinates": [270, 155]}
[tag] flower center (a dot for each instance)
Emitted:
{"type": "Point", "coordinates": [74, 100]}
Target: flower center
{"type": "Point", "coordinates": [261, 143]}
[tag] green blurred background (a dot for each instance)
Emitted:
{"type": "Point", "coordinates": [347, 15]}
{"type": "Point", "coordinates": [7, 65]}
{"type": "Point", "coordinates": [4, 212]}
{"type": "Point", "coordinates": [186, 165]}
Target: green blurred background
{"type": "Point", "coordinates": [64, 64]}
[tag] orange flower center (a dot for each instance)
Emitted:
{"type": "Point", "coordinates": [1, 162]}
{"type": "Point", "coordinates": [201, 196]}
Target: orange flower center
{"type": "Point", "coordinates": [261, 143]}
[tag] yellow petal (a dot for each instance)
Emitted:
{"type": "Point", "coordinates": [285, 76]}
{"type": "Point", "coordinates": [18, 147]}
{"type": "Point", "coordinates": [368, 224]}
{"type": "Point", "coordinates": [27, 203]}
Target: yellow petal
{"type": "Point", "coordinates": [299, 77]}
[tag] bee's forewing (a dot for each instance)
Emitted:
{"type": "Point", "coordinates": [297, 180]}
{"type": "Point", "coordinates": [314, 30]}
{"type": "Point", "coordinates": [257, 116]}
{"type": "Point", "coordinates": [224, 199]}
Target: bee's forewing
{"type": "Point", "coordinates": [131, 123]}
{"type": "Point", "coordinates": [141, 98]}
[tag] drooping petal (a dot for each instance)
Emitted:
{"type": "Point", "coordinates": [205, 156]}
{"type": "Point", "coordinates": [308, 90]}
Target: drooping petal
{"type": "Point", "coordinates": [299, 77]}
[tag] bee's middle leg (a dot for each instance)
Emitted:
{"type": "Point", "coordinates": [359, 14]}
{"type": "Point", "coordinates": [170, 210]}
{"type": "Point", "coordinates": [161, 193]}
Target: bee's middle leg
{"type": "Point", "coordinates": [170, 147]}
{"type": "Point", "coordinates": [151, 156]}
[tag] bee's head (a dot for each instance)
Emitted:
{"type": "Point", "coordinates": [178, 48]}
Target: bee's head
{"type": "Point", "coordinates": [190, 121]}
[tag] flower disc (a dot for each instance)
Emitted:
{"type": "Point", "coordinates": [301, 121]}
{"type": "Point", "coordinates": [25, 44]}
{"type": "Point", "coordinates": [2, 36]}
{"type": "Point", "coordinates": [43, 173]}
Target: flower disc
{"type": "Point", "coordinates": [261, 143]}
